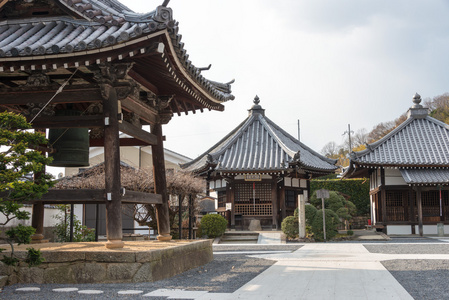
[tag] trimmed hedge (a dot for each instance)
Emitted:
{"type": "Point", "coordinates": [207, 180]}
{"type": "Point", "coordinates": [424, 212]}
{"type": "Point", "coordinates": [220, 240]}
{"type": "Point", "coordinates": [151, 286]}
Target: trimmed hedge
{"type": "Point", "coordinates": [332, 222]}
{"type": "Point", "coordinates": [357, 190]}
{"type": "Point", "coordinates": [310, 214]}
{"type": "Point", "coordinates": [213, 225]}
{"type": "Point", "coordinates": [290, 226]}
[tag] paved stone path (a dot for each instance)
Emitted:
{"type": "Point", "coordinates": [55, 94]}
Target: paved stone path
{"type": "Point", "coordinates": [315, 271]}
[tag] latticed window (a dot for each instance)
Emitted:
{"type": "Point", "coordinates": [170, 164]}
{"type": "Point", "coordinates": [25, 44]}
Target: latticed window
{"type": "Point", "coordinates": [253, 199]}
{"type": "Point", "coordinates": [247, 192]}
{"type": "Point", "coordinates": [396, 202]}
{"type": "Point", "coordinates": [430, 203]}
{"type": "Point", "coordinates": [290, 198]}
{"type": "Point", "coordinates": [221, 198]}
{"type": "Point", "coordinates": [394, 198]}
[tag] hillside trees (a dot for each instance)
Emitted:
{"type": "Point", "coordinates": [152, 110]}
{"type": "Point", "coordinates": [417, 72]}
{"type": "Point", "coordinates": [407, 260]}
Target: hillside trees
{"type": "Point", "coordinates": [439, 109]}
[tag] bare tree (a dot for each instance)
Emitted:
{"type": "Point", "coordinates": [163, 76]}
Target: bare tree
{"type": "Point", "coordinates": [330, 150]}
{"type": "Point", "coordinates": [360, 138]}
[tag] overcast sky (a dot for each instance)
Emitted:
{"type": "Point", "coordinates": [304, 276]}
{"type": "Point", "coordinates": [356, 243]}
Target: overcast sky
{"type": "Point", "coordinates": [326, 63]}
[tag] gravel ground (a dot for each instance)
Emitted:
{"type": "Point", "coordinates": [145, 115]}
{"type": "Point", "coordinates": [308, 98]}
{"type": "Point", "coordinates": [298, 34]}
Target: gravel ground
{"type": "Point", "coordinates": [423, 279]}
{"type": "Point", "coordinates": [409, 249]}
{"type": "Point", "coordinates": [225, 274]}
{"type": "Point", "coordinates": [255, 247]}
{"type": "Point", "coordinates": [394, 240]}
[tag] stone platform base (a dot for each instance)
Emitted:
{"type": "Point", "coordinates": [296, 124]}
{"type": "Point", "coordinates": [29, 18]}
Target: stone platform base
{"type": "Point", "coordinates": [137, 261]}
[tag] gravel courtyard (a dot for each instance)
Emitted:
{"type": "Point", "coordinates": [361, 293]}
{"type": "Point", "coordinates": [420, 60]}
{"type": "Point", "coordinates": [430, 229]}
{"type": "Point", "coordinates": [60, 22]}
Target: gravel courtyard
{"type": "Point", "coordinates": [233, 267]}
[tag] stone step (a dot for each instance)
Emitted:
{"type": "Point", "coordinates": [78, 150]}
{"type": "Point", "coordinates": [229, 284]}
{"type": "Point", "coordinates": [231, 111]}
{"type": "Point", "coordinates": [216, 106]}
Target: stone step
{"type": "Point", "coordinates": [240, 237]}
{"type": "Point", "coordinates": [239, 242]}
{"type": "Point", "coordinates": [241, 233]}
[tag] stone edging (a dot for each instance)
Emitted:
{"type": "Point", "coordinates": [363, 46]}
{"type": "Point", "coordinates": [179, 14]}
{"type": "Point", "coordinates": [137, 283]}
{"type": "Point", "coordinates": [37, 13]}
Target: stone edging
{"type": "Point", "coordinates": [66, 267]}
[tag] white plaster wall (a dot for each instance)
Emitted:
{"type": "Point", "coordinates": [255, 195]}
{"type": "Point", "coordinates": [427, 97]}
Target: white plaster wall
{"type": "Point", "coordinates": [399, 229]}
{"type": "Point", "coordinates": [49, 220]}
{"type": "Point", "coordinates": [431, 229]}
{"type": "Point", "coordinates": [394, 177]}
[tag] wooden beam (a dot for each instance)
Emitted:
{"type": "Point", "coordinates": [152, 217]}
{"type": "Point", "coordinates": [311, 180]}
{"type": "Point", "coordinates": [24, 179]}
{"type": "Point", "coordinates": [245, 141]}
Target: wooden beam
{"type": "Point", "coordinates": [68, 95]}
{"type": "Point", "coordinates": [91, 121]}
{"type": "Point", "coordinates": [176, 104]}
{"type": "Point", "coordinates": [3, 2]}
{"type": "Point", "coordinates": [94, 196]}
{"type": "Point", "coordinates": [193, 108]}
{"type": "Point", "coordinates": [186, 110]}
{"type": "Point", "coordinates": [138, 133]}
{"type": "Point", "coordinates": [144, 111]}
{"type": "Point", "coordinates": [140, 79]}
{"type": "Point", "coordinates": [124, 142]}
{"type": "Point", "coordinates": [132, 197]}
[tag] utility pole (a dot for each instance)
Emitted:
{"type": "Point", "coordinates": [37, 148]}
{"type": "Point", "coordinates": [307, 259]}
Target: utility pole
{"type": "Point", "coordinates": [299, 132]}
{"type": "Point", "coordinates": [349, 136]}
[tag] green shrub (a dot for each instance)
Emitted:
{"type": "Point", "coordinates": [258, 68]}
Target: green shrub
{"type": "Point", "coordinates": [34, 257]}
{"type": "Point", "coordinates": [199, 231]}
{"type": "Point", "coordinates": [310, 214]}
{"type": "Point", "coordinates": [357, 190]}
{"type": "Point", "coordinates": [213, 225]}
{"type": "Point", "coordinates": [334, 202]}
{"type": "Point", "coordinates": [81, 233]}
{"type": "Point", "coordinates": [343, 213]}
{"type": "Point", "coordinates": [290, 226]}
{"type": "Point", "coordinates": [350, 232]}
{"type": "Point", "coordinates": [332, 222]}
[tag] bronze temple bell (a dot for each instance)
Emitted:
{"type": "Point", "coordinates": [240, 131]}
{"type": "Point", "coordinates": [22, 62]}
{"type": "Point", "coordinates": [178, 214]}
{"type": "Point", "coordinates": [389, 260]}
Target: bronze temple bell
{"type": "Point", "coordinates": [71, 144]}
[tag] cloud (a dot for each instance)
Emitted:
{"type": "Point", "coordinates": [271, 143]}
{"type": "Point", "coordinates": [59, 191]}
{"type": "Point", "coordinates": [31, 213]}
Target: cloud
{"type": "Point", "coordinates": [325, 62]}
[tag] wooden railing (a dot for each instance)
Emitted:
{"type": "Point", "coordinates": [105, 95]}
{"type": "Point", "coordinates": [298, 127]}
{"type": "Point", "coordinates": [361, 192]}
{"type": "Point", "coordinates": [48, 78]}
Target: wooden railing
{"type": "Point", "coordinates": [254, 209]}
{"type": "Point", "coordinates": [396, 213]}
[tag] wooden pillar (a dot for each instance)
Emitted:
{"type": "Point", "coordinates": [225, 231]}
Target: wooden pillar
{"type": "Point", "coordinates": [230, 192]}
{"type": "Point", "coordinates": [383, 196]}
{"type": "Point", "coordinates": [37, 215]}
{"type": "Point", "coordinates": [274, 200]}
{"type": "Point", "coordinates": [112, 168]}
{"type": "Point", "coordinates": [419, 200]}
{"type": "Point", "coordinates": [190, 216]}
{"type": "Point", "coordinates": [412, 209]}
{"type": "Point", "coordinates": [160, 184]}
{"type": "Point", "coordinates": [282, 203]}
{"type": "Point", "coordinates": [180, 197]}
{"type": "Point", "coordinates": [37, 222]}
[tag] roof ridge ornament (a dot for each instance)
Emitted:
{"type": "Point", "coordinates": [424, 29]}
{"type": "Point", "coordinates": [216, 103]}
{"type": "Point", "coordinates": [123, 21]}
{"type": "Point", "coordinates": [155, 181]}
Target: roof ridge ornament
{"type": "Point", "coordinates": [417, 111]}
{"type": "Point", "coordinates": [256, 100]}
{"type": "Point", "coordinates": [417, 100]}
{"type": "Point", "coordinates": [256, 108]}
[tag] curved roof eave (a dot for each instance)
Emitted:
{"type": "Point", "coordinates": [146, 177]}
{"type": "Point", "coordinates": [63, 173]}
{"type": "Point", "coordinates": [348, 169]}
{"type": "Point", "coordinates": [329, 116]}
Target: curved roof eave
{"type": "Point", "coordinates": [372, 146]}
{"type": "Point", "coordinates": [129, 29]}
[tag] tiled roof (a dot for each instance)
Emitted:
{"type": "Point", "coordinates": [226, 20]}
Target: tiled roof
{"type": "Point", "coordinates": [104, 23]}
{"type": "Point", "coordinates": [419, 147]}
{"type": "Point", "coordinates": [426, 176]}
{"type": "Point", "coordinates": [258, 145]}
{"type": "Point", "coordinates": [95, 25]}
{"type": "Point", "coordinates": [416, 142]}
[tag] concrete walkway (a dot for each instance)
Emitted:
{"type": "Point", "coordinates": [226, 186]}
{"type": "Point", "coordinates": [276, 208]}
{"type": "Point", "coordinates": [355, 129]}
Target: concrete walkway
{"type": "Point", "coordinates": [325, 271]}
{"type": "Point", "coordinates": [270, 238]}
